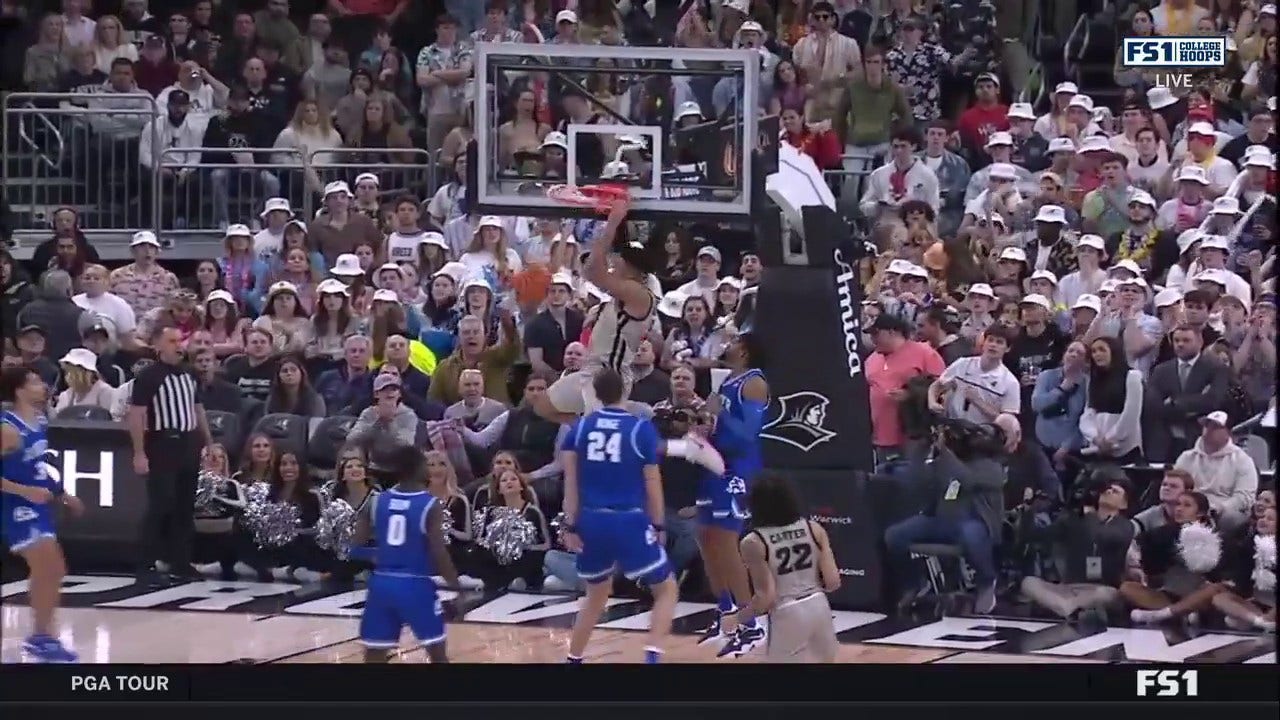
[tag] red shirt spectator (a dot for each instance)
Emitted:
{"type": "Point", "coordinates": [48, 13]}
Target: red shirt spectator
{"type": "Point", "coordinates": [986, 116]}
{"type": "Point", "coordinates": [895, 361]}
{"type": "Point", "coordinates": [817, 140]}
{"type": "Point", "coordinates": [381, 8]}
{"type": "Point", "coordinates": [155, 69]}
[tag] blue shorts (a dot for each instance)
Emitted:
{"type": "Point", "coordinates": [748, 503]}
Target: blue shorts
{"type": "Point", "coordinates": [623, 541]}
{"type": "Point", "coordinates": [722, 502]}
{"type": "Point", "coordinates": [398, 600]}
{"type": "Point", "coordinates": [25, 525]}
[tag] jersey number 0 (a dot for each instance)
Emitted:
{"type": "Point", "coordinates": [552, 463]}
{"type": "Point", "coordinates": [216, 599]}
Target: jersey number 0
{"type": "Point", "coordinates": [604, 447]}
{"type": "Point", "coordinates": [396, 527]}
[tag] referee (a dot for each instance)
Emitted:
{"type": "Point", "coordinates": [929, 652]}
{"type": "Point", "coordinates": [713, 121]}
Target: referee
{"type": "Point", "coordinates": [168, 427]}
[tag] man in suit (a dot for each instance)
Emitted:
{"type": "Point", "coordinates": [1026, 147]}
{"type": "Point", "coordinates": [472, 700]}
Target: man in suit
{"type": "Point", "coordinates": [1179, 392]}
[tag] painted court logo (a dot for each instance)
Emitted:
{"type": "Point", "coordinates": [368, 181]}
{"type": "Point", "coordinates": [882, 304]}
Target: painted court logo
{"type": "Point", "coordinates": [801, 421]}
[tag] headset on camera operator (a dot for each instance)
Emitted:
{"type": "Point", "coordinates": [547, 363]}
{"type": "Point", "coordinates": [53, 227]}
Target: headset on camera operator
{"type": "Point", "coordinates": [960, 483]}
{"type": "Point", "coordinates": [1091, 541]}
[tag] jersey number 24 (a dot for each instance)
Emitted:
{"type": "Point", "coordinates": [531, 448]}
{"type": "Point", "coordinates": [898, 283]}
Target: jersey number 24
{"type": "Point", "coordinates": [604, 447]}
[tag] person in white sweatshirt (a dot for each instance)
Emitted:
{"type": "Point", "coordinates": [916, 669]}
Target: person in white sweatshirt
{"type": "Point", "coordinates": [905, 177]}
{"type": "Point", "coordinates": [208, 94]}
{"type": "Point", "coordinates": [177, 128]}
{"type": "Point", "coordinates": [84, 385]}
{"type": "Point", "coordinates": [1222, 470]}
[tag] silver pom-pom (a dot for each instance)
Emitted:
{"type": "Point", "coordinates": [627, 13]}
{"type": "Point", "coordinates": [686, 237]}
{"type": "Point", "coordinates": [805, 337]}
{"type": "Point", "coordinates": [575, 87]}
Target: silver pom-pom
{"type": "Point", "coordinates": [508, 534]}
{"type": "Point", "coordinates": [335, 527]}
{"type": "Point", "coordinates": [1199, 547]}
{"type": "Point", "coordinates": [327, 493]}
{"type": "Point", "coordinates": [208, 484]}
{"type": "Point", "coordinates": [446, 523]}
{"type": "Point", "coordinates": [273, 524]}
{"type": "Point", "coordinates": [557, 526]}
{"type": "Point", "coordinates": [1264, 563]}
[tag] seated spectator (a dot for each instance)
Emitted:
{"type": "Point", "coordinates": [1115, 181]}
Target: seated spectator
{"type": "Point", "coordinates": [442, 482]}
{"type": "Point", "coordinates": [339, 226]}
{"type": "Point", "coordinates": [649, 385]}
{"type": "Point", "coordinates": [217, 394]}
{"type": "Point", "coordinates": [84, 385]}
{"type": "Point", "coordinates": [331, 324]}
{"type": "Point", "coordinates": [284, 316]}
{"type": "Point", "coordinates": [1174, 484]}
{"type": "Point", "coordinates": [254, 371]}
{"type": "Point", "coordinates": [546, 334]}
{"type": "Point", "coordinates": [1249, 600]}
{"type": "Point", "coordinates": [511, 491]}
{"type": "Point", "coordinates": [965, 508]}
{"type": "Point", "coordinates": [95, 298]}
{"type": "Point", "coordinates": [273, 26]}
{"type": "Point", "coordinates": [291, 391]}
{"type": "Point", "coordinates": [474, 351]}
{"type": "Point", "coordinates": [208, 278]}
{"type": "Point", "coordinates": [345, 384]}
{"type": "Point", "coordinates": [30, 344]}
{"type": "Point", "coordinates": [1179, 564]}
{"type": "Point", "coordinates": [82, 75]}
{"type": "Point", "coordinates": [208, 94]}
{"type": "Point", "coordinates": [54, 313]}
{"type": "Point", "coordinates": [385, 425]}
{"type": "Point", "coordinates": [474, 410]}
{"type": "Point", "coordinates": [269, 105]}
{"type": "Point", "coordinates": [109, 44]}
{"type": "Point", "coordinates": [46, 59]}
{"type": "Point", "coordinates": [901, 179]}
{"type": "Point", "coordinates": [98, 335]}
{"type": "Point", "coordinates": [180, 311]}
{"type": "Point", "coordinates": [980, 388]}
{"type": "Point", "coordinates": [223, 323]}
{"type": "Point", "coordinates": [308, 132]}
{"type": "Point", "coordinates": [520, 430]}
{"type": "Point", "coordinates": [398, 352]}
{"type": "Point", "coordinates": [1058, 401]}
{"type": "Point", "coordinates": [155, 68]}
{"type": "Point", "coordinates": [16, 290]}
{"type": "Point", "coordinates": [1093, 545]}
{"type": "Point", "coordinates": [687, 343]}
{"type": "Point", "coordinates": [238, 128]}
{"type": "Point", "coordinates": [1223, 471]}
{"type": "Point", "coordinates": [296, 263]}
{"type": "Point", "coordinates": [326, 80]}
{"type": "Point", "coordinates": [389, 317]}
{"type": "Point", "coordinates": [378, 130]}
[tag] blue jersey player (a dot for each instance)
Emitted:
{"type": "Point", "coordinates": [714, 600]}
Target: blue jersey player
{"type": "Point", "coordinates": [613, 512]}
{"type": "Point", "coordinates": [406, 525]}
{"type": "Point", "coordinates": [26, 499]}
{"type": "Point", "coordinates": [738, 407]}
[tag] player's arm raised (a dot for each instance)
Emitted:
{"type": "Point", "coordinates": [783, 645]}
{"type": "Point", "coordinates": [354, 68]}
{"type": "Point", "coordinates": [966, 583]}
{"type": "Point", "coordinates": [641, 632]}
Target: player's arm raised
{"type": "Point", "coordinates": [632, 296]}
{"type": "Point", "coordinates": [828, 570]}
{"type": "Point", "coordinates": [754, 557]}
{"type": "Point", "coordinates": [436, 545]}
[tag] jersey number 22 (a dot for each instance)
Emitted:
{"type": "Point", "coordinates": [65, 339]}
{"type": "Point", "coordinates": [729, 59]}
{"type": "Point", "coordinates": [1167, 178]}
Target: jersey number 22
{"type": "Point", "coordinates": [604, 447]}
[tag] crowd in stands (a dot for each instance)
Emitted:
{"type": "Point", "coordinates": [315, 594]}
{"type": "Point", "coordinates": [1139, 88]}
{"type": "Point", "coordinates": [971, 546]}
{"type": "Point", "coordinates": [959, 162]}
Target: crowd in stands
{"type": "Point", "coordinates": [1100, 272]}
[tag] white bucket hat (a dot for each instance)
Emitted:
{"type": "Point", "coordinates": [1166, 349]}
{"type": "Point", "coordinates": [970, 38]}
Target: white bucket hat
{"type": "Point", "coordinates": [982, 289]}
{"type": "Point", "coordinates": [337, 186]}
{"type": "Point", "coordinates": [1160, 97]}
{"type": "Point", "coordinates": [222, 295]}
{"type": "Point", "coordinates": [144, 237]}
{"type": "Point", "coordinates": [347, 265]}
{"type": "Point", "coordinates": [1051, 214]}
{"type": "Point", "coordinates": [672, 304]}
{"type": "Point", "coordinates": [1044, 275]}
{"type": "Point", "coordinates": [1087, 300]}
{"type": "Point", "coordinates": [81, 358]}
{"type": "Point", "coordinates": [274, 204]}
{"type": "Point", "coordinates": [284, 286]}
{"type": "Point", "coordinates": [433, 238]}
{"type": "Point", "coordinates": [453, 270]}
{"type": "Point", "coordinates": [385, 295]}
{"type": "Point", "coordinates": [1092, 241]}
{"type": "Point", "coordinates": [1037, 299]}
{"type": "Point", "coordinates": [331, 287]}
{"type": "Point", "coordinates": [238, 230]}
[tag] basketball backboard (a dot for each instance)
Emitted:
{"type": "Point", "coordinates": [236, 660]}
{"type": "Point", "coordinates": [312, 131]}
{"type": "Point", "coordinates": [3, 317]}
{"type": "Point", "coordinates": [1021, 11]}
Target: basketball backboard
{"type": "Point", "coordinates": [677, 118]}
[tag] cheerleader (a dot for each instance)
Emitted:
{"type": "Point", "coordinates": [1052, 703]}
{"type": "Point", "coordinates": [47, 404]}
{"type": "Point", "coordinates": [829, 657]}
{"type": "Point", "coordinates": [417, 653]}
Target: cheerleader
{"type": "Point", "coordinates": [503, 461]}
{"type": "Point", "coordinates": [510, 490]}
{"type": "Point", "coordinates": [214, 542]}
{"type": "Point", "coordinates": [1250, 601]}
{"type": "Point", "coordinates": [353, 485]}
{"type": "Point", "coordinates": [300, 559]}
{"type": "Point", "coordinates": [1178, 562]}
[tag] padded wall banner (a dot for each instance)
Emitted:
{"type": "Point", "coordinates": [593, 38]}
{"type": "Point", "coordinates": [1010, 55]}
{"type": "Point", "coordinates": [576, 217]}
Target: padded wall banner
{"type": "Point", "coordinates": [838, 501]}
{"type": "Point", "coordinates": [94, 462]}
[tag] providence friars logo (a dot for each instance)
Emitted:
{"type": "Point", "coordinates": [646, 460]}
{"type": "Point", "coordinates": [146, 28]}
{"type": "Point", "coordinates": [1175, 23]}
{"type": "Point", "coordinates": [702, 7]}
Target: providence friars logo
{"type": "Point", "coordinates": [801, 421]}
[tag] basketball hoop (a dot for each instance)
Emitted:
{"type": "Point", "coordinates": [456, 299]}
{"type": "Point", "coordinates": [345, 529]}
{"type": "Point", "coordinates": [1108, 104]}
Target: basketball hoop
{"type": "Point", "coordinates": [600, 197]}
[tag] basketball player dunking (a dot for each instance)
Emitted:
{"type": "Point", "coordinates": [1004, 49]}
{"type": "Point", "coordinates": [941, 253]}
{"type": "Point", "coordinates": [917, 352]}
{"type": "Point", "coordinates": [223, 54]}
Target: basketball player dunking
{"type": "Point", "coordinates": [621, 325]}
{"type": "Point", "coordinates": [26, 494]}
{"type": "Point", "coordinates": [406, 522]}
{"type": "Point", "coordinates": [738, 408]}
{"type": "Point", "coordinates": [790, 562]}
{"type": "Point", "coordinates": [613, 512]}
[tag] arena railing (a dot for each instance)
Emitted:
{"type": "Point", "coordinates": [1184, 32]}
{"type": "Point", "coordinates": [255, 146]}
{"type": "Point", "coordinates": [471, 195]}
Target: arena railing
{"type": "Point", "coordinates": [417, 177]}
{"type": "Point", "coordinates": [215, 194]}
{"type": "Point", "coordinates": [77, 150]}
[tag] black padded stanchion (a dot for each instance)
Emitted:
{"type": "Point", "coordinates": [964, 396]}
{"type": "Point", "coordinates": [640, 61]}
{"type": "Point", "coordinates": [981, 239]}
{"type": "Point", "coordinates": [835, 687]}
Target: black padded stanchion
{"type": "Point", "coordinates": [818, 427]}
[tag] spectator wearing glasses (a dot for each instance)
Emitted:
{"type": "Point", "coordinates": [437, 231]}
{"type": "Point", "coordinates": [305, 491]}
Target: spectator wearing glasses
{"type": "Point", "coordinates": [828, 60]}
{"type": "Point", "coordinates": [917, 65]}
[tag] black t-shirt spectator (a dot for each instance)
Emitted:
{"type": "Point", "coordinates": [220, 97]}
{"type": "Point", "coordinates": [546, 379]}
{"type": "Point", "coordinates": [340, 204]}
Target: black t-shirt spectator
{"type": "Point", "coordinates": [271, 108]}
{"type": "Point", "coordinates": [170, 393]}
{"type": "Point", "coordinates": [1030, 355]}
{"type": "Point", "coordinates": [1235, 147]}
{"type": "Point", "coordinates": [77, 82]}
{"type": "Point", "coordinates": [254, 381]}
{"type": "Point", "coordinates": [222, 396]}
{"type": "Point", "coordinates": [286, 83]}
{"type": "Point", "coordinates": [547, 334]}
{"type": "Point", "coordinates": [244, 130]}
{"type": "Point", "coordinates": [652, 388]}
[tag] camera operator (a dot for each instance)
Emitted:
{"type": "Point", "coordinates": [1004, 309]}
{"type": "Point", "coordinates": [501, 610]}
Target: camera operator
{"type": "Point", "coordinates": [674, 418]}
{"type": "Point", "coordinates": [1091, 540]}
{"type": "Point", "coordinates": [961, 486]}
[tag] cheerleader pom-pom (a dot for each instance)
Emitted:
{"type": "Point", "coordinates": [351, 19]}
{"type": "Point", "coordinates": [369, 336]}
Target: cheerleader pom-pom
{"type": "Point", "coordinates": [508, 535]}
{"type": "Point", "coordinates": [207, 486]}
{"type": "Point", "coordinates": [446, 524]}
{"type": "Point", "coordinates": [1199, 547]}
{"type": "Point", "coordinates": [335, 527]}
{"type": "Point", "coordinates": [1264, 563]}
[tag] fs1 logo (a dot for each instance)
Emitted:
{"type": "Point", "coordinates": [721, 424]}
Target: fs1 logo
{"type": "Point", "coordinates": [1168, 683]}
{"type": "Point", "coordinates": [1174, 52]}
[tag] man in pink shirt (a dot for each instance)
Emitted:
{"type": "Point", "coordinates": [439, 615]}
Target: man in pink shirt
{"type": "Point", "coordinates": [896, 361]}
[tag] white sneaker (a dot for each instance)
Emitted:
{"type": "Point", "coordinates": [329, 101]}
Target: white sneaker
{"type": "Point", "coordinates": [518, 585]}
{"type": "Point", "coordinates": [243, 569]}
{"type": "Point", "coordinates": [162, 566]}
{"type": "Point", "coordinates": [470, 583]}
{"type": "Point", "coordinates": [307, 576]}
{"type": "Point", "coordinates": [555, 584]}
{"type": "Point", "coordinates": [282, 574]}
{"type": "Point", "coordinates": [701, 453]}
{"type": "Point", "coordinates": [209, 568]}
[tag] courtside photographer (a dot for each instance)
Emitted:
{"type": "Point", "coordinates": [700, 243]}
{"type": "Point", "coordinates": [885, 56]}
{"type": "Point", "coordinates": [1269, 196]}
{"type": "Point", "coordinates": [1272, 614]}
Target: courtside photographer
{"type": "Point", "coordinates": [680, 479]}
{"type": "Point", "coordinates": [959, 481]}
{"type": "Point", "coordinates": [1089, 541]}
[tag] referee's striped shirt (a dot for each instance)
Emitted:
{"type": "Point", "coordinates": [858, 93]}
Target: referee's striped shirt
{"type": "Point", "coordinates": [170, 393]}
